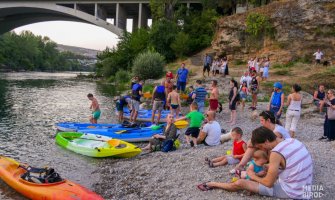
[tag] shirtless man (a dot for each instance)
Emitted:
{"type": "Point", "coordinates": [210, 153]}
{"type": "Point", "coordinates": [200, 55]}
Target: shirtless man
{"type": "Point", "coordinates": [95, 109]}
{"type": "Point", "coordinates": [214, 96]}
{"type": "Point", "coordinates": [174, 98]}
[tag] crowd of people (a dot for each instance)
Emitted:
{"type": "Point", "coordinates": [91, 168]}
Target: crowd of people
{"type": "Point", "coordinates": [273, 162]}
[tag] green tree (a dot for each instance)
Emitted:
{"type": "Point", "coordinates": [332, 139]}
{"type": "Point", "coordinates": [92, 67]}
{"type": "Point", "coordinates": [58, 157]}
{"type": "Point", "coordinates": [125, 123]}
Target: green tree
{"type": "Point", "coordinates": [149, 65]}
{"type": "Point", "coordinates": [259, 25]}
{"type": "Point", "coordinates": [181, 44]}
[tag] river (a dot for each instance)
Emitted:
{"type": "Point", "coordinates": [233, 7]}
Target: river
{"type": "Point", "coordinates": [30, 105]}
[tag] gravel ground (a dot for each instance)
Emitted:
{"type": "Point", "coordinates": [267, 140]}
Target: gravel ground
{"type": "Point", "coordinates": [174, 175]}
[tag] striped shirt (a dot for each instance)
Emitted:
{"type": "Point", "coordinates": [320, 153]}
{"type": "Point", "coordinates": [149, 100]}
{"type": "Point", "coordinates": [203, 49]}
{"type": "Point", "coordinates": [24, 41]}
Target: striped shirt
{"type": "Point", "coordinates": [200, 94]}
{"type": "Point", "coordinates": [298, 173]}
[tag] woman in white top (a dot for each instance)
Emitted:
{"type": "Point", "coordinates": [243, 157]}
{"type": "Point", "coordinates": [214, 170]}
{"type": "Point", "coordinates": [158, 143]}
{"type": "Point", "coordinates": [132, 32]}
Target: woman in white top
{"type": "Point", "coordinates": [293, 110]}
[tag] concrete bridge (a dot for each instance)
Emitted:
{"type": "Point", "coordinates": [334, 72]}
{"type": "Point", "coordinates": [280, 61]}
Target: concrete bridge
{"type": "Point", "coordinates": [109, 14]}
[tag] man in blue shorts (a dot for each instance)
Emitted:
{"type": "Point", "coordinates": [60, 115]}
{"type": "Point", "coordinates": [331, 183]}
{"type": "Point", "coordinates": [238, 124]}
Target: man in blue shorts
{"type": "Point", "coordinates": [182, 76]}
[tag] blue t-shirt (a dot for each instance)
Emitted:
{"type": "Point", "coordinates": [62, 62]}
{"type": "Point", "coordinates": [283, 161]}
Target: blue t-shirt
{"type": "Point", "coordinates": [200, 94]}
{"type": "Point", "coordinates": [136, 91]}
{"type": "Point", "coordinates": [208, 60]}
{"type": "Point", "coordinates": [256, 168]}
{"type": "Point", "coordinates": [182, 75]}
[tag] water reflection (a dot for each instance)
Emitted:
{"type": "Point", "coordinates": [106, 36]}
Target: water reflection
{"type": "Point", "coordinates": [30, 105]}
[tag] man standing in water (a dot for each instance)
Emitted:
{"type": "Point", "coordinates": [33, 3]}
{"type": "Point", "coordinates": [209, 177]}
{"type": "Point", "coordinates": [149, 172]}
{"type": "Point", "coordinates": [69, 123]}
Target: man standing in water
{"type": "Point", "coordinates": [135, 101]}
{"type": "Point", "coordinates": [95, 109]}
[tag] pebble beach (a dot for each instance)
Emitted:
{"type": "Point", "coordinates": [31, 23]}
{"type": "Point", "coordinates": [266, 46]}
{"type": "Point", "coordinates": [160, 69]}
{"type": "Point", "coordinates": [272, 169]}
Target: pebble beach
{"type": "Point", "coordinates": [176, 174]}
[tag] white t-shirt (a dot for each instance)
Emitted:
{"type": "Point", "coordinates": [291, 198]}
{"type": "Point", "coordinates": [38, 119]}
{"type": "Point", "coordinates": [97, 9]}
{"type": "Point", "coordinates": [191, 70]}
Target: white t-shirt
{"type": "Point", "coordinates": [318, 55]}
{"type": "Point", "coordinates": [283, 132]}
{"type": "Point", "coordinates": [213, 131]}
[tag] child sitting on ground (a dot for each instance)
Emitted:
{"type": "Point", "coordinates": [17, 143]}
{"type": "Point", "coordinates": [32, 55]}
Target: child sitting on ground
{"type": "Point", "coordinates": [239, 148]}
{"type": "Point", "coordinates": [196, 119]}
{"type": "Point", "coordinates": [260, 158]}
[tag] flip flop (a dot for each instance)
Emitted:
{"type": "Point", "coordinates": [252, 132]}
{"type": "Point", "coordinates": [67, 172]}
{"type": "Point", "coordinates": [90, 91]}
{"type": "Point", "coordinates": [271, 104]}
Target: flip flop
{"type": "Point", "coordinates": [238, 173]}
{"type": "Point", "coordinates": [204, 187]}
{"type": "Point", "coordinates": [207, 160]}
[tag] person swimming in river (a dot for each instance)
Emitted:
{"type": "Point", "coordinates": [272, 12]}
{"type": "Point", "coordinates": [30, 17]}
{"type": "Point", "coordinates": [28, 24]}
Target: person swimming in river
{"type": "Point", "coordinates": [174, 101]}
{"type": "Point", "coordinates": [95, 109]}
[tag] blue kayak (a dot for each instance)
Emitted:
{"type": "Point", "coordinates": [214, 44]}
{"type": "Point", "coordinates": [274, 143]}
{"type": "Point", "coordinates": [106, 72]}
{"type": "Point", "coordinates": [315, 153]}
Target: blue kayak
{"type": "Point", "coordinates": [76, 126]}
{"type": "Point", "coordinates": [134, 135]}
{"type": "Point", "coordinates": [145, 115]}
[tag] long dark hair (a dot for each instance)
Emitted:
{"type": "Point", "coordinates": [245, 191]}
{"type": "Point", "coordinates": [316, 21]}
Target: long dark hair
{"type": "Point", "coordinates": [269, 115]}
{"type": "Point", "coordinates": [235, 82]}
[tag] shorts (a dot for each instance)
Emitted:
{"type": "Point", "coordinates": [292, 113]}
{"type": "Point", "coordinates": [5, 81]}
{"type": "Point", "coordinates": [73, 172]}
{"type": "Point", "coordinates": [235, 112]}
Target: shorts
{"type": "Point", "coordinates": [158, 105]}
{"type": "Point", "coordinates": [276, 191]}
{"type": "Point", "coordinates": [213, 104]}
{"type": "Point", "coordinates": [261, 69]}
{"type": "Point", "coordinates": [243, 96]}
{"type": "Point", "coordinates": [254, 91]}
{"type": "Point", "coordinates": [317, 103]}
{"type": "Point", "coordinates": [232, 161]}
{"type": "Point", "coordinates": [193, 131]}
{"type": "Point", "coordinates": [181, 86]}
{"type": "Point", "coordinates": [96, 114]}
{"type": "Point", "coordinates": [201, 106]}
{"type": "Point", "coordinates": [274, 110]}
{"type": "Point", "coordinates": [135, 105]}
{"type": "Point", "coordinates": [119, 106]}
{"type": "Point", "coordinates": [174, 106]}
{"type": "Point", "coordinates": [233, 105]}
{"type": "Point", "coordinates": [206, 68]}
{"type": "Point", "coordinates": [318, 61]}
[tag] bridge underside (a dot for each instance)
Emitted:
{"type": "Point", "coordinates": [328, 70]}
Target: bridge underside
{"type": "Point", "coordinates": [111, 16]}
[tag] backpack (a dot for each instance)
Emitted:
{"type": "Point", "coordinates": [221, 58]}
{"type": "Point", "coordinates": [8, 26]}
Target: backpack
{"type": "Point", "coordinates": [40, 175]}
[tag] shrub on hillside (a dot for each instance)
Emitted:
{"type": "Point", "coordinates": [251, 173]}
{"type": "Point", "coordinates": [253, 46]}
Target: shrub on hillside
{"type": "Point", "coordinates": [149, 65]}
{"type": "Point", "coordinates": [122, 76]}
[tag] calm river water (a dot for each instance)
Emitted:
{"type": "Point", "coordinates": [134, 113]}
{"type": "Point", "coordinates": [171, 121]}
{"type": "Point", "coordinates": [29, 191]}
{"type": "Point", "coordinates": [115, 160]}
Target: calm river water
{"type": "Point", "coordinates": [30, 105]}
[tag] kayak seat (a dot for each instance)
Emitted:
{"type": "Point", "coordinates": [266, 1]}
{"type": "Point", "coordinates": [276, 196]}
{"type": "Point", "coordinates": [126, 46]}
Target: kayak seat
{"type": "Point", "coordinates": [40, 175]}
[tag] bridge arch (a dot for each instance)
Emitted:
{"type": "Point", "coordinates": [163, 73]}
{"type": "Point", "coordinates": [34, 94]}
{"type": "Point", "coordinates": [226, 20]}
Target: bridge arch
{"type": "Point", "coordinates": [16, 14]}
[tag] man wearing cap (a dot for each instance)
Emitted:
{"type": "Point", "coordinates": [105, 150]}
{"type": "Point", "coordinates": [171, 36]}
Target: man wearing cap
{"type": "Point", "coordinates": [277, 100]}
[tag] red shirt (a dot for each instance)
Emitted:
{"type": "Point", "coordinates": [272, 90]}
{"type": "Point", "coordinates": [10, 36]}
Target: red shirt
{"type": "Point", "coordinates": [238, 148]}
{"type": "Point", "coordinates": [169, 75]}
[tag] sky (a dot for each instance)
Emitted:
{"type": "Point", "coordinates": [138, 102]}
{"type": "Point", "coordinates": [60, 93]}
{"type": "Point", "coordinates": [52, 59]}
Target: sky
{"type": "Point", "coordinates": [73, 34]}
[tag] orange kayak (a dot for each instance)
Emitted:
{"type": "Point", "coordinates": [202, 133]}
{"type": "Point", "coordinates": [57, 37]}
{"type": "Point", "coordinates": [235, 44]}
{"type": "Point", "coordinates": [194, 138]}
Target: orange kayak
{"type": "Point", "coordinates": [11, 173]}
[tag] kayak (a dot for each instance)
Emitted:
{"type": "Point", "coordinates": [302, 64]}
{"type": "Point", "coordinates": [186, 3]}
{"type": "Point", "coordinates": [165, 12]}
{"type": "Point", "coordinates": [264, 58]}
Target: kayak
{"type": "Point", "coordinates": [135, 135]}
{"type": "Point", "coordinates": [145, 115]}
{"type": "Point", "coordinates": [76, 126]}
{"type": "Point", "coordinates": [12, 174]}
{"type": "Point", "coordinates": [96, 145]}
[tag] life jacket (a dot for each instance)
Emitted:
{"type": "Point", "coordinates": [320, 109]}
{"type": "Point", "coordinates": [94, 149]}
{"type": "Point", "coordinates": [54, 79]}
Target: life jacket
{"type": "Point", "coordinates": [276, 99]}
{"type": "Point", "coordinates": [136, 91]}
{"type": "Point", "coordinates": [321, 95]}
{"type": "Point", "coordinates": [159, 94]}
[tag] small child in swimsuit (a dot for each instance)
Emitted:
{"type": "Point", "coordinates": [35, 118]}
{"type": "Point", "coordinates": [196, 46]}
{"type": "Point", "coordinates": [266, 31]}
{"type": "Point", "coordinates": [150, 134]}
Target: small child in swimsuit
{"type": "Point", "coordinates": [260, 158]}
{"type": "Point", "coordinates": [174, 100]}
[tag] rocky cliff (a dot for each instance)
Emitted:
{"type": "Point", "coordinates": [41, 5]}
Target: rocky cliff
{"type": "Point", "coordinates": [301, 27]}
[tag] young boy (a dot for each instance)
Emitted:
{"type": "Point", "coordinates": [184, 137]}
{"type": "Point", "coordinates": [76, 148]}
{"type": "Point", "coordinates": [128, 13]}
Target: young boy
{"type": "Point", "coordinates": [257, 164]}
{"type": "Point", "coordinates": [189, 97]}
{"type": "Point", "coordinates": [174, 98]}
{"type": "Point", "coordinates": [95, 109]}
{"type": "Point", "coordinates": [196, 119]}
{"type": "Point", "coordinates": [239, 148]}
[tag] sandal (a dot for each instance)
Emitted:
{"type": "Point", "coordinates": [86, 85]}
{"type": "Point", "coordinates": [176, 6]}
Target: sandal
{"type": "Point", "coordinates": [238, 173]}
{"type": "Point", "coordinates": [211, 164]}
{"type": "Point", "coordinates": [204, 187]}
{"type": "Point", "coordinates": [207, 160]}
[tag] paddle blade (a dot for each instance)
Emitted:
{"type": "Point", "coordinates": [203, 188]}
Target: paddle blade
{"type": "Point", "coordinates": [147, 95]}
{"type": "Point", "coordinates": [119, 132]}
{"type": "Point", "coordinates": [156, 127]}
{"type": "Point", "coordinates": [181, 124]}
{"type": "Point", "coordinates": [113, 142]}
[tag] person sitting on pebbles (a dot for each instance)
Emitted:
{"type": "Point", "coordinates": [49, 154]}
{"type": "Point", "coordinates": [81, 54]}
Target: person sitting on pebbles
{"type": "Point", "coordinates": [170, 132]}
{"type": "Point", "coordinates": [239, 147]}
{"type": "Point", "coordinates": [210, 134]}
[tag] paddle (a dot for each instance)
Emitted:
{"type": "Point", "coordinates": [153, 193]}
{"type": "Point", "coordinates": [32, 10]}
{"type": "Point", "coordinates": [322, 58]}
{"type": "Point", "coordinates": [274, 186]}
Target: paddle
{"type": "Point", "coordinates": [179, 124]}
